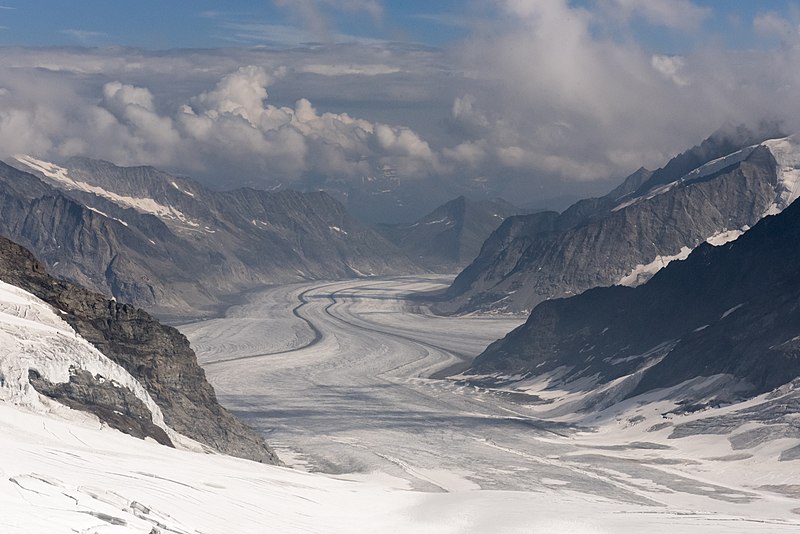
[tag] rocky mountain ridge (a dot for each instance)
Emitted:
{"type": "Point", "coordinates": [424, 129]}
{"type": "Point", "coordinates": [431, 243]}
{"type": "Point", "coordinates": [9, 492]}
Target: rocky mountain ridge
{"type": "Point", "coordinates": [175, 247]}
{"type": "Point", "coordinates": [726, 320]}
{"type": "Point", "coordinates": [712, 192]}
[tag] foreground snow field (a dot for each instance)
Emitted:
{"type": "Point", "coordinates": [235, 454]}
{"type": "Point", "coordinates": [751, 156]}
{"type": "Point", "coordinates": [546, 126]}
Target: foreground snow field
{"type": "Point", "coordinates": [355, 398]}
{"type": "Point", "coordinates": [403, 453]}
{"type": "Point", "coordinates": [62, 477]}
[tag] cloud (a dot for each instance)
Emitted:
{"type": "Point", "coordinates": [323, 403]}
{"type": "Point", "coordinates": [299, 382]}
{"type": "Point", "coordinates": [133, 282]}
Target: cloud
{"type": "Point", "coordinates": [675, 14]}
{"type": "Point", "coordinates": [535, 100]}
{"type": "Point", "coordinates": [230, 131]}
{"type": "Point", "coordinates": [316, 14]}
{"type": "Point", "coordinates": [773, 24]}
{"type": "Point", "coordinates": [670, 67]}
{"type": "Point", "coordinates": [84, 36]}
{"type": "Point", "coordinates": [349, 70]}
{"type": "Point", "coordinates": [282, 35]}
{"type": "Point", "coordinates": [241, 93]}
{"type": "Point", "coordinates": [552, 96]}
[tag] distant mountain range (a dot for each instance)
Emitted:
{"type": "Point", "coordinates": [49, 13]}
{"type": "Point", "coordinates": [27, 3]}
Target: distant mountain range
{"type": "Point", "coordinates": [712, 192]}
{"type": "Point", "coordinates": [724, 324]}
{"type": "Point", "coordinates": [451, 236]}
{"type": "Point", "coordinates": [174, 247]}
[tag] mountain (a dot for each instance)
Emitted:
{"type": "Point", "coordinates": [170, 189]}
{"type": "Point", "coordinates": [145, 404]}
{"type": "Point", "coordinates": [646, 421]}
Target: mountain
{"type": "Point", "coordinates": [108, 358]}
{"type": "Point", "coordinates": [712, 192]}
{"type": "Point", "coordinates": [726, 320]}
{"type": "Point", "coordinates": [173, 246]}
{"type": "Point", "coordinates": [449, 237]}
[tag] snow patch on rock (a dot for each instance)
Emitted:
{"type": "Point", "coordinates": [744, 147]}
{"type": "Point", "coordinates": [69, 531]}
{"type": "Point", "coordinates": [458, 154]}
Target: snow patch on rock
{"type": "Point", "coordinates": [143, 205]}
{"type": "Point", "coordinates": [786, 152]}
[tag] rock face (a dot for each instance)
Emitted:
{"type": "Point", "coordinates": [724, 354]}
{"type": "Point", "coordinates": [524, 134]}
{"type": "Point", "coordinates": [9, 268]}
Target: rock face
{"type": "Point", "coordinates": [451, 236]}
{"type": "Point", "coordinates": [158, 356]}
{"type": "Point", "coordinates": [731, 310]}
{"type": "Point", "coordinates": [115, 405]}
{"type": "Point", "coordinates": [711, 192]}
{"type": "Point", "coordinates": [175, 247]}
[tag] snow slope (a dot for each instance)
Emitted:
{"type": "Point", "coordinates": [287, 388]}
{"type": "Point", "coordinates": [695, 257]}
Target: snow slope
{"type": "Point", "coordinates": [61, 477]}
{"type": "Point", "coordinates": [786, 152]}
{"type": "Point", "coordinates": [63, 472]}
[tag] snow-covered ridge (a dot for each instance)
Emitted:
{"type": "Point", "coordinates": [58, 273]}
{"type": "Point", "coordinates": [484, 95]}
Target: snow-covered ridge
{"type": "Point", "coordinates": [143, 205]}
{"type": "Point", "coordinates": [33, 336]}
{"type": "Point", "coordinates": [447, 221]}
{"type": "Point", "coordinates": [707, 169]}
{"type": "Point", "coordinates": [107, 216]}
{"type": "Point", "coordinates": [786, 152]}
{"type": "Point", "coordinates": [181, 190]}
{"type": "Point", "coordinates": [716, 165]}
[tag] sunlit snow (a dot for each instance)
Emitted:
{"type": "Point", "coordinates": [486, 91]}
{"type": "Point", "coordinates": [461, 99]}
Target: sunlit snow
{"type": "Point", "coordinates": [64, 473]}
{"type": "Point", "coordinates": [144, 205]}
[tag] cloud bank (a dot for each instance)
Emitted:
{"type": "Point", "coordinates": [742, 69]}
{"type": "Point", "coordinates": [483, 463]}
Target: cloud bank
{"type": "Point", "coordinates": [541, 98]}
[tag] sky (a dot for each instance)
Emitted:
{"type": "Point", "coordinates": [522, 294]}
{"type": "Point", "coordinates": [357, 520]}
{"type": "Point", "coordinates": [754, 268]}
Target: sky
{"type": "Point", "coordinates": [528, 99]}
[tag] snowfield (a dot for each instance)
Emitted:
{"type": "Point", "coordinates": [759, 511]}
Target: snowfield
{"type": "Point", "coordinates": [337, 375]}
{"type": "Point", "coordinates": [356, 398]}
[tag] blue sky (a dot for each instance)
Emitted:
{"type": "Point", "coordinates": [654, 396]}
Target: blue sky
{"type": "Point", "coordinates": [155, 24]}
{"type": "Point", "coordinates": [162, 24]}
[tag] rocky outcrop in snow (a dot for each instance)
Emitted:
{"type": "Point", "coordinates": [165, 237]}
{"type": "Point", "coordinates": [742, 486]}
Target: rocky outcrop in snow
{"type": "Point", "coordinates": [158, 357]}
{"type": "Point", "coordinates": [40, 353]}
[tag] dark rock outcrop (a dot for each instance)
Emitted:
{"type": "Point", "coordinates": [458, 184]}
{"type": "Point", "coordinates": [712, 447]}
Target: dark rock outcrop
{"type": "Point", "coordinates": [730, 310]}
{"type": "Point", "coordinates": [115, 405]}
{"type": "Point", "coordinates": [158, 356]}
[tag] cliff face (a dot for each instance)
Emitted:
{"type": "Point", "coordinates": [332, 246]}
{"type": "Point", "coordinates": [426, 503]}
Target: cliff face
{"type": "Point", "coordinates": [158, 356]}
